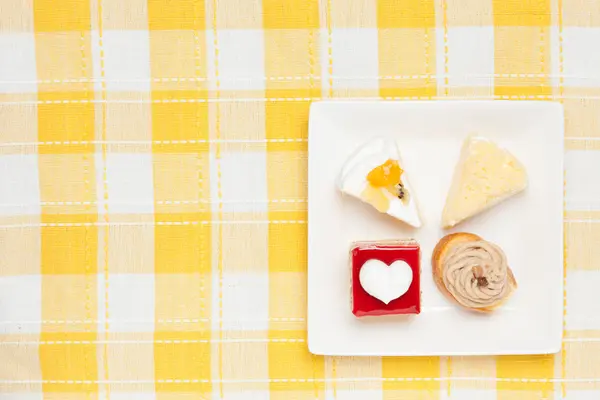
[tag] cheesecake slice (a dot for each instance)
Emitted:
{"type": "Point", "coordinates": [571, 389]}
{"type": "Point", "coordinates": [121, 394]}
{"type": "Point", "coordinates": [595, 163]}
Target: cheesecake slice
{"type": "Point", "coordinates": [375, 174]}
{"type": "Point", "coordinates": [486, 175]}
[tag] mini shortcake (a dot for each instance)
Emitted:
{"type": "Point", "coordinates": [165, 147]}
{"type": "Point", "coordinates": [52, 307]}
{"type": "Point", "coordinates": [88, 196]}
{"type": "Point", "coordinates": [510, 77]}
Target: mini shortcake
{"type": "Point", "coordinates": [375, 174]}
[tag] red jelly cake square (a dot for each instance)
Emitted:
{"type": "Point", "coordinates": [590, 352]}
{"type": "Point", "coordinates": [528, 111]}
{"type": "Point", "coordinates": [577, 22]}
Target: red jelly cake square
{"type": "Point", "coordinates": [385, 278]}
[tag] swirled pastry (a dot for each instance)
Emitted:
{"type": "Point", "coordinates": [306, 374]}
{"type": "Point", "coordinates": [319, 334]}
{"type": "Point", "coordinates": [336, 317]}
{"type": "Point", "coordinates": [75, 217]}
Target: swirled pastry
{"type": "Point", "coordinates": [472, 272]}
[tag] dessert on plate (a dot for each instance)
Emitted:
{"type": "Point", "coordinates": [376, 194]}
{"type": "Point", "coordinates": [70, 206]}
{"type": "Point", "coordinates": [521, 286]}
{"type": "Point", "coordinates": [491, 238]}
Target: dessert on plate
{"type": "Point", "coordinates": [375, 174]}
{"type": "Point", "coordinates": [472, 272]}
{"type": "Point", "coordinates": [385, 278]}
{"type": "Point", "coordinates": [485, 175]}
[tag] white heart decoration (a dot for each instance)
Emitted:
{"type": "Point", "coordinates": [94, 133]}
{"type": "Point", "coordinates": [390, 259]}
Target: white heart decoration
{"type": "Point", "coordinates": [385, 282]}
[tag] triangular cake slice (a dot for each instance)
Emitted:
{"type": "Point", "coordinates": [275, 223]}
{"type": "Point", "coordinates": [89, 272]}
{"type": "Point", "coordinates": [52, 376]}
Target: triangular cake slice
{"type": "Point", "coordinates": [486, 175]}
{"type": "Point", "coordinates": [375, 174]}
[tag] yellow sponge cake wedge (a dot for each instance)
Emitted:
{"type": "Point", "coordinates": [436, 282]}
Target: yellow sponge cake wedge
{"type": "Point", "coordinates": [486, 175]}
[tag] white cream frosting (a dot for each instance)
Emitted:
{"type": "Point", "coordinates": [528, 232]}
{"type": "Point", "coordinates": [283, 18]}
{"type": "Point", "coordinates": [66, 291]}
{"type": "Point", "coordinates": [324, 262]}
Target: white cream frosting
{"type": "Point", "coordinates": [385, 282]}
{"type": "Point", "coordinates": [353, 178]}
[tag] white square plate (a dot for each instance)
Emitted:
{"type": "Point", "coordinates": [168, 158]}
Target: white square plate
{"type": "Point", "coordinates": [528, 227]}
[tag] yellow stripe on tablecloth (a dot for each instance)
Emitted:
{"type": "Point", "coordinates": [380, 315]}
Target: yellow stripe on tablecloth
{"type": "Point", "coordinates": [16, 16]}
{"type": "Point", "coordinates": [524, 51]}
{"type": "Point", "coordinates": [183, 248]}
{"type": "Point", "coordinates": [581, 368]}
{"type": "Point", "coordinates": [292, 49]}
{"type": "Point", "coordinates": [217, 230]}
{"type": "Point", "coordinates": [68, 254]}
{"type": "Point", "coordinates": [104, 254]}
{"type": "Point", "coordinates": [405, 14]}
{"type": "Point", "coordinates": [521, 12]}
{"type": "Point", "coordinates": [70, 250]}
{"type": "Point", "coordinates": [61, 15]}
{"type": "Point", "coordinates": [522, 56]}
{"type": "Point", "coordinates": [69, 257]}
{"type": "Point", "coordinates": [64, 63]}
{"type": "Point", "coordinates": [288, 243]}
{"type": "Point", "coordinates": [179, 122]}
{"type": "Point", "coordinates": [411, 367]}
{"type": "Point", "coordinates": [538, 368]}
{"type": "Point", "coordinates": [73, 358]}
{"type": "Point", "coordinates": [470, 373]}
{"type": "Point", "coordinates": [288, 119]}
{"type": "Point", "coordinates": [407, 51]}
{"type": "Point", "coordinates": [184, 15]}
{"type": "Point", "coordinates": [464, 13]}
{"type": "Point", "coordinates": [292, 368]}
{"type": "Point", "coordinates": [290, 14]}
{"type": "Point", "coordinates": [581, 13]}
{"type": "Point", "coordinates": [183, 302]}
{"type": "Point", "coordinates": [354, 14]}
{"type": "Point", "coordinates": [182, 183]}
{"type": "Point", "coordinates": [66, 122]}
{"type": "Point", "coordinates": [182, 363]}
{"type": "Point", "coordinates": [19, 251]}
{"type": "Point", "coordinates": [581, 229]}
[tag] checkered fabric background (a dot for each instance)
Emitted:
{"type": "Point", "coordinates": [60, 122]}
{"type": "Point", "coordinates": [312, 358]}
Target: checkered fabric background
{"type": "Point", "coordinates": [153, 188]}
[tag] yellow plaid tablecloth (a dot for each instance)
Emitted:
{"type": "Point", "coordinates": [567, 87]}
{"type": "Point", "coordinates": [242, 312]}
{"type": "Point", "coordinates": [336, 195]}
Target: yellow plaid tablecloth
{"type": "Point", "coordinates": [153, 188]}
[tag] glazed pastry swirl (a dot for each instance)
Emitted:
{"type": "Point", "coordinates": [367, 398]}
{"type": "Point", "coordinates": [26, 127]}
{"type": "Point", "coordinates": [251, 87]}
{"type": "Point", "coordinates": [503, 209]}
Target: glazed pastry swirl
{"type": "Point", "coordinates": [476, 274]}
